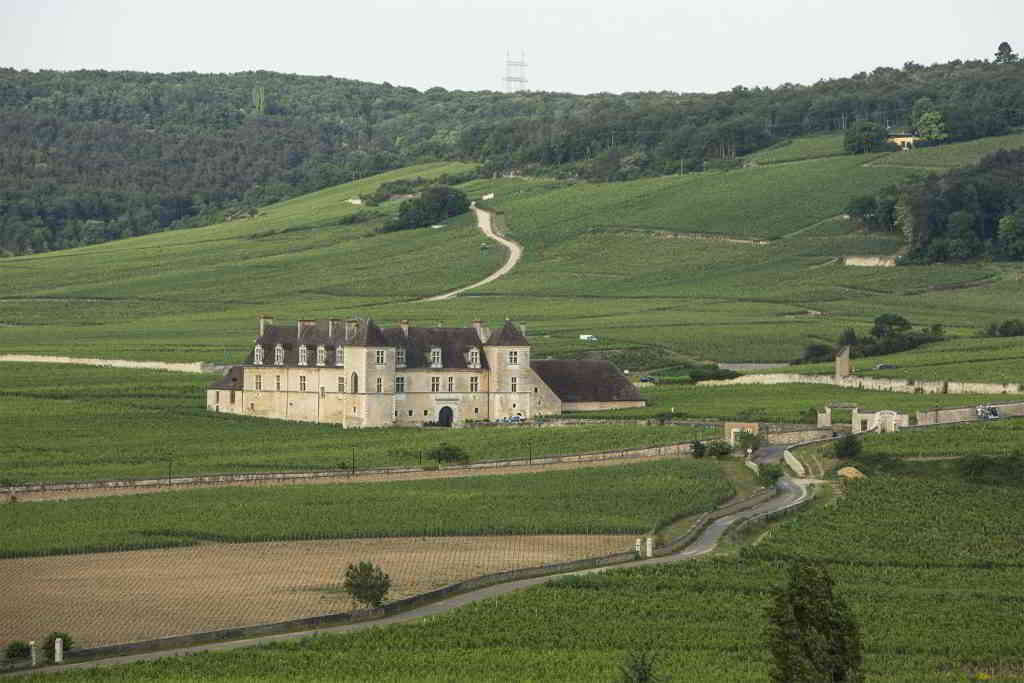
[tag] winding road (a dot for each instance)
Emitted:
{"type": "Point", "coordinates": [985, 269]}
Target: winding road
{"type": "Point", "coordinates": [484, 221]}
{"type": "Point", "coordinates": [790, 493]}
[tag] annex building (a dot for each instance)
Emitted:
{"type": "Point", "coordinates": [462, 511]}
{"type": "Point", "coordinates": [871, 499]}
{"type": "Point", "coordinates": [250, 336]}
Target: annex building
{"type": "Point", "coordinates": [355, 374]}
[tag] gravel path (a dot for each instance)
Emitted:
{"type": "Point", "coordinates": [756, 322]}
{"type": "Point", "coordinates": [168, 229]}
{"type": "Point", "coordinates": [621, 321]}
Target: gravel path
{"type": "Point", "coordinates": [515, 252]}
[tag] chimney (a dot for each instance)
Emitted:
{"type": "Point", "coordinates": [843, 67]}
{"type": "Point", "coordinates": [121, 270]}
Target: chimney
{"type": "Point", "coordinates": [405, 327]}
{"type": "Point", "coordinates": [478, 326]}
{"type": "Point", "coordinates": [265, 322]}
{"type": "Point", "coordinates": [522, 328]}
{"type": "Point", "coordinates": [303, 325]}
{"type": "Point", "coordinates": [351, 328]}
{"type": "Point", "coordinates": [333, 327]}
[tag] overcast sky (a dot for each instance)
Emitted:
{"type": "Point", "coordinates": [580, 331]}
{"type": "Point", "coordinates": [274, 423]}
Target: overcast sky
{"type": "Point", "coordinates": [571, 46]}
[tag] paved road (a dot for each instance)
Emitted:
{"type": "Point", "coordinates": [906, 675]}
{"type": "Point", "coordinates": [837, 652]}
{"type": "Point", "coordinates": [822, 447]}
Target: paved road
{"type": "Point", "coordinates": [515, 252]}
{"type": "Point", "coordinates": [790, 493]}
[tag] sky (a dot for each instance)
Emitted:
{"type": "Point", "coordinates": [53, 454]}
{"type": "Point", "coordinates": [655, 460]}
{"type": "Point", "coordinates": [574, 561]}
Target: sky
{"type": "Point", "coordinates": [569, 46]}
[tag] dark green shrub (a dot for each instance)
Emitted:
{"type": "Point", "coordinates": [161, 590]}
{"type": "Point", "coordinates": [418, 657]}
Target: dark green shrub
{"type": "Point", "coordinates": [17, 649]}
{"type": "Point", "coordinates": [51, 640]}
{"type": "Point", "coordinates": [718, 449]}
{"type": "Point", "coordinates": [698, 449]}
{"type": "Point", "coordinates": [446, 452]}
{"type": "Point", "coordinates": [847, 447]}
{"type": "Point", "coordinates": [366, 583]}
{"type": "Point", "coordinates": [768, 474]}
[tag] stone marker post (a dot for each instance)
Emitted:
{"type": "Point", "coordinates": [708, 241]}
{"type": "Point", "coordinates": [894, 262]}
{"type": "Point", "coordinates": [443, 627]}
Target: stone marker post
{"type": "Point", "coordinates": [650, 546]}
{"type": "Point", "coordinates": [33, 653]}
{"type": "Point", "coordinates": [58, 651]}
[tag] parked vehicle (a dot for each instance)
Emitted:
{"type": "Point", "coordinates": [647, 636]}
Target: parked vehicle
{"type": "Point", "coordinates": [987, 412]}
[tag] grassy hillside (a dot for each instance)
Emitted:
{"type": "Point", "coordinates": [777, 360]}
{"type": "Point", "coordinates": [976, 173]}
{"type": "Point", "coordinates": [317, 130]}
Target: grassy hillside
{"type": "Point", "coordinates": [640, 264]}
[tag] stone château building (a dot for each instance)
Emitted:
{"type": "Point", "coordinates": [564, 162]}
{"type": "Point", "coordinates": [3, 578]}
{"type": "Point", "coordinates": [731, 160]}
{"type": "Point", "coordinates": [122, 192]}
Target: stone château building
{"type": "Point", "coordinates": [355, 374]}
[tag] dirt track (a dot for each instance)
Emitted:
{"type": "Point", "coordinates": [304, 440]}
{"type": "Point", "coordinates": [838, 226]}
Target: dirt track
{"type": "Point", "coordinates": [108, 598]}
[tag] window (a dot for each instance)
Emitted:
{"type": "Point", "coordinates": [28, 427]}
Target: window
{"type": "Point", "coordinates": [341, 385]}
{"type": "Point", "coordinates": [259, 383]}
{"type": "Point", "coordinates": [451, 384]}
{"type": "Point", "coordinates": [303, 355]}
{"type": "Point", "coordinates": [400, 357]}
{"type": "Point", "coordinates": [410, 413]}
{"type": "Point", "coordinates": [435, 358]}
{"type": "Point", "coordinates": [323, 392]}
{"type": "Point", "coordinates": [257, 355]}
{"type": "Point", "coordinates": [513, 358]}
{"type": "Point", "coordinates": [339, 357]}
{"type": "Point", "coordinates": [426, 413]}
{"type": "Point", "coordinates": [277, 383]}
{"type": "Point", "coordinates": [515, 384]}
{"type": "Point", "coordinates": [278, 355]}
{"type": "Point", "coordinates": [216, 398]}
{"type": "Point", "coordinates": [382, 357]}
{"type": "Point", "coordinates": [476, 411]}
{"type": "Point", "coordinates": [321, 355]}
{"type": "Point", "coordinates": [302, 382]}
{"type": "Point", "coordinates": [232, 398]}
{"type": "Point", "coordinates": [474, 358]}
{"type": "Point", "coordinates": [380, 385]}
{"type": "Point", "coordinates": [435, 384]}
{"type": "Point", "coordinates": [399, 385]}
{"type": "Point", "coordinates": [474, 384]}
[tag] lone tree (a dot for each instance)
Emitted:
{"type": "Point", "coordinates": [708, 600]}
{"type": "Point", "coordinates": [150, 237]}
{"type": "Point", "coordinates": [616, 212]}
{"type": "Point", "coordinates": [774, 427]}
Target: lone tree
{"type": "Point", "coordinates": [367, 583]}
{"type": "Point", "coordinates": [812, 634]}
{"type": "Point", "coordinates": [865, 136]}
{"type": "Point", "coordinates": [1005, 54]}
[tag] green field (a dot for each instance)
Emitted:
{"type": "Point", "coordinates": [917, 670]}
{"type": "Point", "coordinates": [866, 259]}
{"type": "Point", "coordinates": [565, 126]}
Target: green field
{"type": "Point", "coordinates": [618, 260]}
{"type": "Point", "coordinates": [598, 500]}
{"type": "Point", "coordinates": [66, 423]}
{"type": "Point", "coordinates": [786, 403]}
{"type": "Point", "coordinates": [799, 149]}
{"type": "Point", "coordinates": [930, 566]}
{"type": "Point", "coordinates": [981, 359]}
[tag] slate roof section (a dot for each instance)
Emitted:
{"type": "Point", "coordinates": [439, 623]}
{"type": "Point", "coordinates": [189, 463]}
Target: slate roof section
{"type": "Point", "coordinates": [232, 379]}
{"type": "Point", "coordinates": [508, 335]}
{"type": "Point", "coordinates": [455, 344]}
{"type": "Point", "coordinates": [584, 381]}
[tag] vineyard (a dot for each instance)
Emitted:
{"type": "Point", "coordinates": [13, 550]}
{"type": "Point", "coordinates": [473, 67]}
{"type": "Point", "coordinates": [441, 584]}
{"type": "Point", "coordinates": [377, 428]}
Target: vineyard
{"type": "Point", "coordinates": [936, 602]}
{"type": "Point", "coordinates": [68, 423]}
{"type": "Point", "coordinates": [800, 149]}
{"type": "Point", "coordinates": [930, 567]}
{"type": "Point", "coordinates": [785, 403]}
{"type": "Point", "coordinates": [990, 437]}
{"type": "Point", "coordinates": [616, 260]}
{"type": "Point", "coordinates": [626, 499]}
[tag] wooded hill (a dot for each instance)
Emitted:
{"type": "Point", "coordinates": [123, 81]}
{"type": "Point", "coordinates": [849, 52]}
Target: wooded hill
{"type": "Point", "coordinates": [90, 156]}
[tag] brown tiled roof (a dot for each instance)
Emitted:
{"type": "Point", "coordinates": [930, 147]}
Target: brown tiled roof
{"type": "Point", "coordinates": [232, 379]}
{"type": "Point", "coordinates": [455, 344]}
{"type": "Point", "coordinates": [578, 381]}
{"type": "Point", "coordinates": [508, 335]}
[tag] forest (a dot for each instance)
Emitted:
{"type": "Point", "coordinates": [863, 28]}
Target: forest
{"type": "Point", "coordinates": [91, 156]}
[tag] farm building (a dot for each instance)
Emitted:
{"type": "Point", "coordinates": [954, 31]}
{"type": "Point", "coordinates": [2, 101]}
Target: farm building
{"type": "Point", "coordinates": [354, 374]}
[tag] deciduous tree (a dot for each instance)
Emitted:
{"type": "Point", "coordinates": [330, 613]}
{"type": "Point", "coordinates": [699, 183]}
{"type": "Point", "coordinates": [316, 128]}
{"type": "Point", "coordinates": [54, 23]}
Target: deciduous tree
{"type": "Point", "coordinates": [367, 583]}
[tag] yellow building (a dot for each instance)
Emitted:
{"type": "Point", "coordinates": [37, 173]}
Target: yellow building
{"type": "Point", "coordinates": [355, 374]}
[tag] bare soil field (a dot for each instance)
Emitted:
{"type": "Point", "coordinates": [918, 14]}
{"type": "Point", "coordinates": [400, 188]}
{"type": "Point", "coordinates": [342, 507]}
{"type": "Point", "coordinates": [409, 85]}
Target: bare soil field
{"type": "Point", "coordinates": [342, 479]}
{"type": "Point", "coordinates": [107, 598]}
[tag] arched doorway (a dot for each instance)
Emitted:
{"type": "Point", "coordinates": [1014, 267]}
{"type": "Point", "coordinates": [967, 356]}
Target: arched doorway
{"type": "Point", "coordinates": [445, 417]}
{"type": "Point", "coordinates": [355, 383]}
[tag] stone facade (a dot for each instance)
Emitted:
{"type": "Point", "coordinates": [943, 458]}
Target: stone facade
{"type": "Point", "coordinates": [354, 374]}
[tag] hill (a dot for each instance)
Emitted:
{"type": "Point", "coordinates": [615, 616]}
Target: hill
{"type": "Point", "coordinates": [743, 265]}
{"type": "Point", "coordinates": [91, 156]}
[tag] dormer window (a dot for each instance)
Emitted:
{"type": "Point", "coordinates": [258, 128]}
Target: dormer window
{"type": "Point", "coordinates": [278, 355]}
{"type": "Point", "coordinates": [257, 355]}
{"type": "Point", "coordinates": [474, 358]}
{"type": "Point", "coordinates": [303, 355]}
{"type": "Point", "coordinates": [321, 355]}
{"type": "Point", "coordinates": [400, 358]}
{"type": "Point", "coordinates": [435, 357]}
{"type": "Point", "coordinates": [339, 357]}
{"type": "Point", "coordinates": [513, 358]}
{"type": "Point", "coordinates": [382, 357]}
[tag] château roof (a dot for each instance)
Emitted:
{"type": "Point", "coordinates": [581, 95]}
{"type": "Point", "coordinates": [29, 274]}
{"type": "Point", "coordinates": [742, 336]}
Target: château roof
{"type": "Point", "coordinates": [455, 344]}
{"type": "Point", "coordinates": [508, 335]}
{"type": "Point", "coordinates": [583, 381]}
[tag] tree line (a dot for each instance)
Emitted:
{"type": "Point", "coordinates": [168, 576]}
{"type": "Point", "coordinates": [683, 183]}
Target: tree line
{"type": "Point", "coordinates": [90, 156]}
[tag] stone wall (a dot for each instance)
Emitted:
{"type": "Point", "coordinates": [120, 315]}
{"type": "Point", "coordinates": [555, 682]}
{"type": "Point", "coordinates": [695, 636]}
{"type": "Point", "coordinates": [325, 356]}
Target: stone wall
{"type": "Point", "coordinates": [601, 405]}
{"type": "Point", "coordinates": [870, 261]}
{"type": "Point", "coordinates": [906, 386]}
{"type": "Point", "coordinates": [965, 414]}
